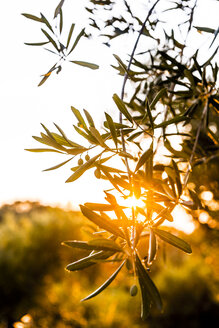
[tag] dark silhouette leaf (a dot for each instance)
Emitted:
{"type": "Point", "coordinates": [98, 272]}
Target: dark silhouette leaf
{"type": "Point", "coordinates": [70, 35]}
{"type": "Point", "coordinates": [144, 157]}
{"type": "Point", "coordinates": [121, 106]}
{"type": "Point", "coordinates": [112, 128]}
{"type": "Point", "coordinates": [147, 285]}
{"type": "Point", "coordinates": [89, 260]}
{"type": "Point", "coordinates": [35, 18]}
{"type": "Point", "coordinates": [105, 285]}
{"type": "Point", "coordinates": [76, 41]}
{"type": "Point", "coordinates": [58, 8]}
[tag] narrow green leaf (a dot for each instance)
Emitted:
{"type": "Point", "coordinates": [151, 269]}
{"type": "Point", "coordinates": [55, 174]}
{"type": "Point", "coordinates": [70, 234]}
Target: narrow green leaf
{"type": "Point", "coordinates": [46, 140]}
{"type": "Point", "coordinates": [120, 62]}
{"type": "Point", "coordinates": [45, 21]}
{"type": "Point", "coordinates": [174, 120]}
{"type": "Point", "coordinates": [76, 41]}
{"type": "Point", "coordinates": [64, 139]}
{"type": "Point", "coordinates": [168, 146]}
{"type": "Point", "coordinates": [75, 151]}
{"type": "Point", "coordinates": [35, 18]}
{"type": "Point", "coordinates": [58, 8]}
{"type": "Point", "coordinates": [95, 244]}
{"type": "Point", "coordinates": [112, 128]}
{"type": "Point", "coordinates": [79, 117]}
{"type": "Point", "coordinates": [152, 246]}
{"type": "Point", "coordinates": [205, 29]}
{"type": "Point", "coordinates": [88, 261]}
{"type": "Point", "coordinates": [106, 283]}
{"type": "Point", "coordinates": [148, 285]}
{"type": "Point", "coordinates": [51, 139]}
{"type": "Point", "coordinates": [89, 137]}
{"type": "Point", "coordinates": [98, 137]}
{"type": "Point", "coordinates": [58, 166]}
{"type": "Point", "coordinates": [150, 115]}
{"type": "Point", "coordinates": [101, 222]}
{"type": "Point", "coordinates": [85, 64]}
{"type": "Point", "coordinates": [82, 169]}
{"type": "Point", "coordinates": [41, 150]}
{"type": "Point", "coordinates": [122, 108]}
{"type": "Point", "coordinates": [135, 135]}
{"type": "Point", "coordinates": [70, 35]}
{"type": "Point", "coordinates": [50, 39]}
{"type": "Point", "coordinates": [61, 21]}
{"type": "Point", "coordinates": [95, 164]}
{"type": "Point", "coordinates": [46, 76]}
{"type": "Point", "coordinates": [111, 179]}
{"type": "Point", "coordinates": [190, 77]}
{"type": "Point", "coordinates": [47, 131]}
{"type": "Point", "coordinates": [159, 95]}
{"type": "Point", "coordinates": [89, 118]}
{"type": "Point", "coordinates": [215, 35]}
{"type": "Point", "coordinates": [144, 157]}
{"type": "Point", "coordinates": [118, 126]}
{"type": "Point", "coordinates": [173, 240]}
{"type": "Point", "coordinates": [77, 244]}
{"type": "Point", "coordinates": [145, 300]}
{"type": "Point", "coordinates": [105, 244]}
{"type": "Point", "coordinates": [36, 44]}
{"type": "Point", "coordinates": [125, 154]}
{"type": "Point", "coordinates": [178, 181]}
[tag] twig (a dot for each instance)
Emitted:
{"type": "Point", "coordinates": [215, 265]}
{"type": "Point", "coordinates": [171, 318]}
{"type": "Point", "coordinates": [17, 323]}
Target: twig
{"type": "Point", "coordinates": [195, 144]}
{"type": "Point", "coordinates": [120, 116]}
{"type": "Point", "coordinates": [126, 78]}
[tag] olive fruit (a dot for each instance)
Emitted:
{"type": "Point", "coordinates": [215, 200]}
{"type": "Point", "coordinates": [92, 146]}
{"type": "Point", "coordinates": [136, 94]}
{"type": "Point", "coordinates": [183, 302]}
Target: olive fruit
{"type": "Point", "coordinates": [97, 173]}
{"type": "Point", "coordinates": [133, 290]}
{"type": "Point", "coordinates": [80, 161]}
{"type": "Point", "coordinates": [87, 157]}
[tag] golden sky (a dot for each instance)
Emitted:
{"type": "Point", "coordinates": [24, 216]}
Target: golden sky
{"type": "Point", "coordinates": [24, 105]}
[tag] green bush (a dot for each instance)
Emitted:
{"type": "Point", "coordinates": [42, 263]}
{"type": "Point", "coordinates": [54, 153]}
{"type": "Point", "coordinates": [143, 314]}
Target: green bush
{"type": "Point", "coordinates": [30, 249]}
{"type": "Point", "coordinates": [33, 279]}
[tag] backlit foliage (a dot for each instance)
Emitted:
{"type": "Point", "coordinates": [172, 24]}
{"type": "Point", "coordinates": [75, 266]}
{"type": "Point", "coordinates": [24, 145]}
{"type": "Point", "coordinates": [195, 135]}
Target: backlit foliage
{"type": "Point", "coordinates": [174, 95]}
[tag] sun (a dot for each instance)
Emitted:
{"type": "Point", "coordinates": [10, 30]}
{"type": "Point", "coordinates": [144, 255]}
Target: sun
{"type": "Point", "coordinates": [133, 202]}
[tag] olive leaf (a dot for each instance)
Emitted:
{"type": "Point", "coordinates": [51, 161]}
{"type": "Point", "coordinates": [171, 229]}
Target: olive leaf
{"type": "Point", "coordinates": [173, 240]}
{"type": "Point", "coordinates": [105, 285]}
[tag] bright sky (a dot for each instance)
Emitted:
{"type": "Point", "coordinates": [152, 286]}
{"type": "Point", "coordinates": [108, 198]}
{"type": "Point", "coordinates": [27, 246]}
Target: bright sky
{"type": "Point", "coordinates": [24, 105]}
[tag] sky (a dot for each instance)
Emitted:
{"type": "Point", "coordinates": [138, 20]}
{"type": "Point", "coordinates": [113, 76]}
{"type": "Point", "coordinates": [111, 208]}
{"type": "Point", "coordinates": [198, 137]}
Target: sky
{"type": "Point", "coordinates": [24, 105]}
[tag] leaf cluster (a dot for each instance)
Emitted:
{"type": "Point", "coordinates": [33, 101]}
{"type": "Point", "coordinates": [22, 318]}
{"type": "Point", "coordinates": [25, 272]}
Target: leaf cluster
{"type": "Point", "coordinates": [173, 96]}
{"type": "Point", "coordinates": [57, 45]}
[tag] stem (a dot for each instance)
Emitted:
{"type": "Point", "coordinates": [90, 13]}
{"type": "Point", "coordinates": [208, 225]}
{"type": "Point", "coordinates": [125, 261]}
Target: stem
{"type": "Point", "coordinates": [195, 145]}
{"type": "Point", "coordinates": [135, 46]}
{"type": "Point", "coordinates": [125, 80]}
{"type": "Point", "coordinates": [120, 115]}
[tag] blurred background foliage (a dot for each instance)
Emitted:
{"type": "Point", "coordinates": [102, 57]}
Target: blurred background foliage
{"type": "Point", "coordinates": [36, 291]}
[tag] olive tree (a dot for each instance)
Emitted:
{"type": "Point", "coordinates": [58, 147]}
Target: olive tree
{"type": "Point", "coordinates": [174, 97]}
